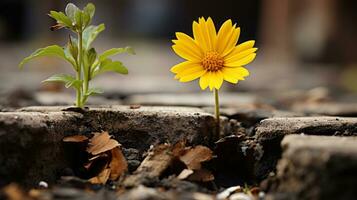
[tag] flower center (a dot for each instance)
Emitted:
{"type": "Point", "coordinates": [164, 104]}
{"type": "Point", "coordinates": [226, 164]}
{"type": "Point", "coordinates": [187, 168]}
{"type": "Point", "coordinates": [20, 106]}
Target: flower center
{"type": "Point", "coordinates": [212, 62]}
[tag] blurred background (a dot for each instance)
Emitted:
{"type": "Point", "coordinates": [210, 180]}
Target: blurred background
{"type": "Point", "coordinates": [303, 44]}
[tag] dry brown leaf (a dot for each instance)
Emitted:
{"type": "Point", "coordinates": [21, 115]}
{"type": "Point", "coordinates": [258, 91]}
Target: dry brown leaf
{"type": "Point", "coordinates": [101, 178]}
{"type": "Point", "coordinates": [14, 192]}
{"type": "Point", "coordinates": [118, 164]}
{"type": "Point", "coordinates": [195, 156]}
{"type": "Point", "coordinates": [201, 175]}
{"type": "Point", "coordinates": [185, 174]}
{"type": "Point", "coordinates": [75, 138]}
{"type": "Point", "coordinates": [179, 148]}
{"type": "Point", "coordinates": [101, 142]}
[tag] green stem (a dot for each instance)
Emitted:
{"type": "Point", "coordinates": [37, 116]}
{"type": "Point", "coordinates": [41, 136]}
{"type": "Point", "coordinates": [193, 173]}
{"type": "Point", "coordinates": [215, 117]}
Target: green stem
{"type": "Point", "coordinates": [79, 72]}
{"type": "Point", "coordinates": [217, 114]}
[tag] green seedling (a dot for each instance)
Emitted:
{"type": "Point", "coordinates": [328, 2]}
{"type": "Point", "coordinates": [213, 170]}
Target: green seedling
{"type": "Point", "coordinates": [78, 52]}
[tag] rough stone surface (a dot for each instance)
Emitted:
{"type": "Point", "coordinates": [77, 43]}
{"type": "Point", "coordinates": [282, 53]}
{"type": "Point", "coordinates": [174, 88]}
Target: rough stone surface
{"type": "Point", "coordinates": [270, 132]}
{"type": "Point", "coordinates": [317, 167]}
{"type": "Point", "coordinates": [332, 109]}
{"type": "Point", "coordinates": [31, 147]}
{"type": "Point", "coordinates": [278, 127]}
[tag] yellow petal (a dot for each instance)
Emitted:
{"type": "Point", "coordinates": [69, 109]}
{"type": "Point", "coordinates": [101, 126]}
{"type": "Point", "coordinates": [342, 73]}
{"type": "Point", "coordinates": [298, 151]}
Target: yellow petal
{"type": "Point", "coordinates": [198, 36]}
{"type": "Point", "coordinates": [192, 76]}
{"type": "Point", "coordinates": [187, 42]}
{"type": "Point", "coordinates": [228, 77]}
{"type": "Point", "coordinates": [183, 66]}
{"type": "Point", "coordinates": [211, 82]}
{"type": "Point", "coordinates": [231, 42]}
{"type": "Point", "coordinates": [233, 57]}
{"type": "Point", "coordinates": [237, 72]}
{"type": "Point", "coordinates": [242, 47]}
{"type": "Point", "coordinates": [191, 70]}
{"type": "Point", "coordinates": [241, 62]}
{"type": "Point", "coordinates": [204, 81]}
{"type": "Point", "coordinates": [225, 30]}
{"type": "Point", "coordinates": [185, 53]}
{"type": "Point", "coordinates": [218, 79]}
{"type": "Point", "coordinates": [210, 34]}
{"type": "Point", "coordinates": [227, 38]}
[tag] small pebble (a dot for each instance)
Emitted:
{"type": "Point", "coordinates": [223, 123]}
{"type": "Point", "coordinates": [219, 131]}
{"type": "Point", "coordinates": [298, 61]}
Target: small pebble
{"type": "Point", "coordinates": [43, 184]}
{"type": "Point", "coordinates": [239, 196]}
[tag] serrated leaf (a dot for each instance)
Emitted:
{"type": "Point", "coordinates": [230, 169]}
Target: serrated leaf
{"type": "Point", "coordinates": [61, 18]}
{"type": "Point", "coordinates": [68, 80]}
{"type": "Point", "coordinates": [71, 11]}
{"type": "Point", "coordinates": [90, 34]}
{"type": "Point", "coordinates": [53, 50]}
{"type": "Point", "coordinates": [93, 91]}
{"type": "Point", "coordinates": [115, 51]}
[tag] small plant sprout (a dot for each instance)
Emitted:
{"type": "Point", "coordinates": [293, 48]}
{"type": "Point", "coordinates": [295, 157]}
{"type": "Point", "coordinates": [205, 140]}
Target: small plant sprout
{"type": "Point", "coordinates": [79, 53]}
{"type": "Point", "coordinates": [212, 57]}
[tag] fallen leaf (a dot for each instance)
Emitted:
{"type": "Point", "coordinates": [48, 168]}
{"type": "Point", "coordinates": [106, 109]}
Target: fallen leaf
{"type": "Point", "coordinates": [185, 174]}
{"type": "Point", "coordinates": [14, 192]}
{"type": "Point", "coordinates": [101, 142]}
{"type": "Point", "coordinates": [118, 164]}
{"type": "Point", "coordinates": [101, 160]}
{"type": "Point", "coordinates": [75, 138]}
{"type": "Point", "coordinates": [179, 148]}
{"type": "Point", "coordinates": [195, 156]}
{"type": "Point", "coordinates": [101, 178]}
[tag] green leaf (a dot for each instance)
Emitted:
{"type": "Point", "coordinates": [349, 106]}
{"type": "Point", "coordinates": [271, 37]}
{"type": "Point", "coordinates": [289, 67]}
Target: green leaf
{"type": "Point", "coordinates": [53, 50]}
{"type": "Point", "coordinates": [68, 80]}
{"type": "Point", "coordinates": [90, 10]}
{"type": "Point", "coordinates": [61, 18]}
{"type": "Point", "coordinates": [114, 66]}
{"type": "Point", "coordinates": [115, 51]}
{"type": "Point", "coordinates": [90, 33]}
{"type": "Point", "coordinates": [70, 57]}
{"type": "Point", "coordinates": [91, 56]}
{"type": "Point", "coordinates": [93, 91]}
{"type": "Point", "coordinates": [85, 19]}
{"type": "Point", "coordinates": [71, 11]}
{"type": "Point", "coordinates": [72, 47]}
{"type": "Point", "coordinates": [79, 19]}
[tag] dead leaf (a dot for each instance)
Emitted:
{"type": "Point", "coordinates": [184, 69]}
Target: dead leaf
{"type": "Point", "coordinates": [101, 158]}
{"type": "Point", "coordinates": [118, 164]}
{"type": "Point", "coordinates": [184, 174]}
{"type": "Point", "coordinates": [101, 142]}
{"type": "Point", "coordinates": [179, 148]}
{"type": "Point", "coordinates": [101, 178]}
{"type": "Point", "coordinates": [14, 192]}
{"type": "Point", "coordinates": [195, 156]}
{"type": "Point", "coordinates": [75, 138]}
{"type": "Point", "coordinates": [201, 175]}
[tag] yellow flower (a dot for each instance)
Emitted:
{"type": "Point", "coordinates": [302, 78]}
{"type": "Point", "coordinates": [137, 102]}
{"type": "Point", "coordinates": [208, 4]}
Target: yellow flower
{"type": "Point", "coordinates": [212, 57]}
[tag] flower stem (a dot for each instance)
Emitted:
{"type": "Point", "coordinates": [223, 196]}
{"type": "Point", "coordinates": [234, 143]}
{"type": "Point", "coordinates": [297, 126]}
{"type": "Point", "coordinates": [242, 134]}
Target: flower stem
{"type": "Point", "coordinates": [217, 113]}
{"type": "Point", "coordinates": [79, 72]}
